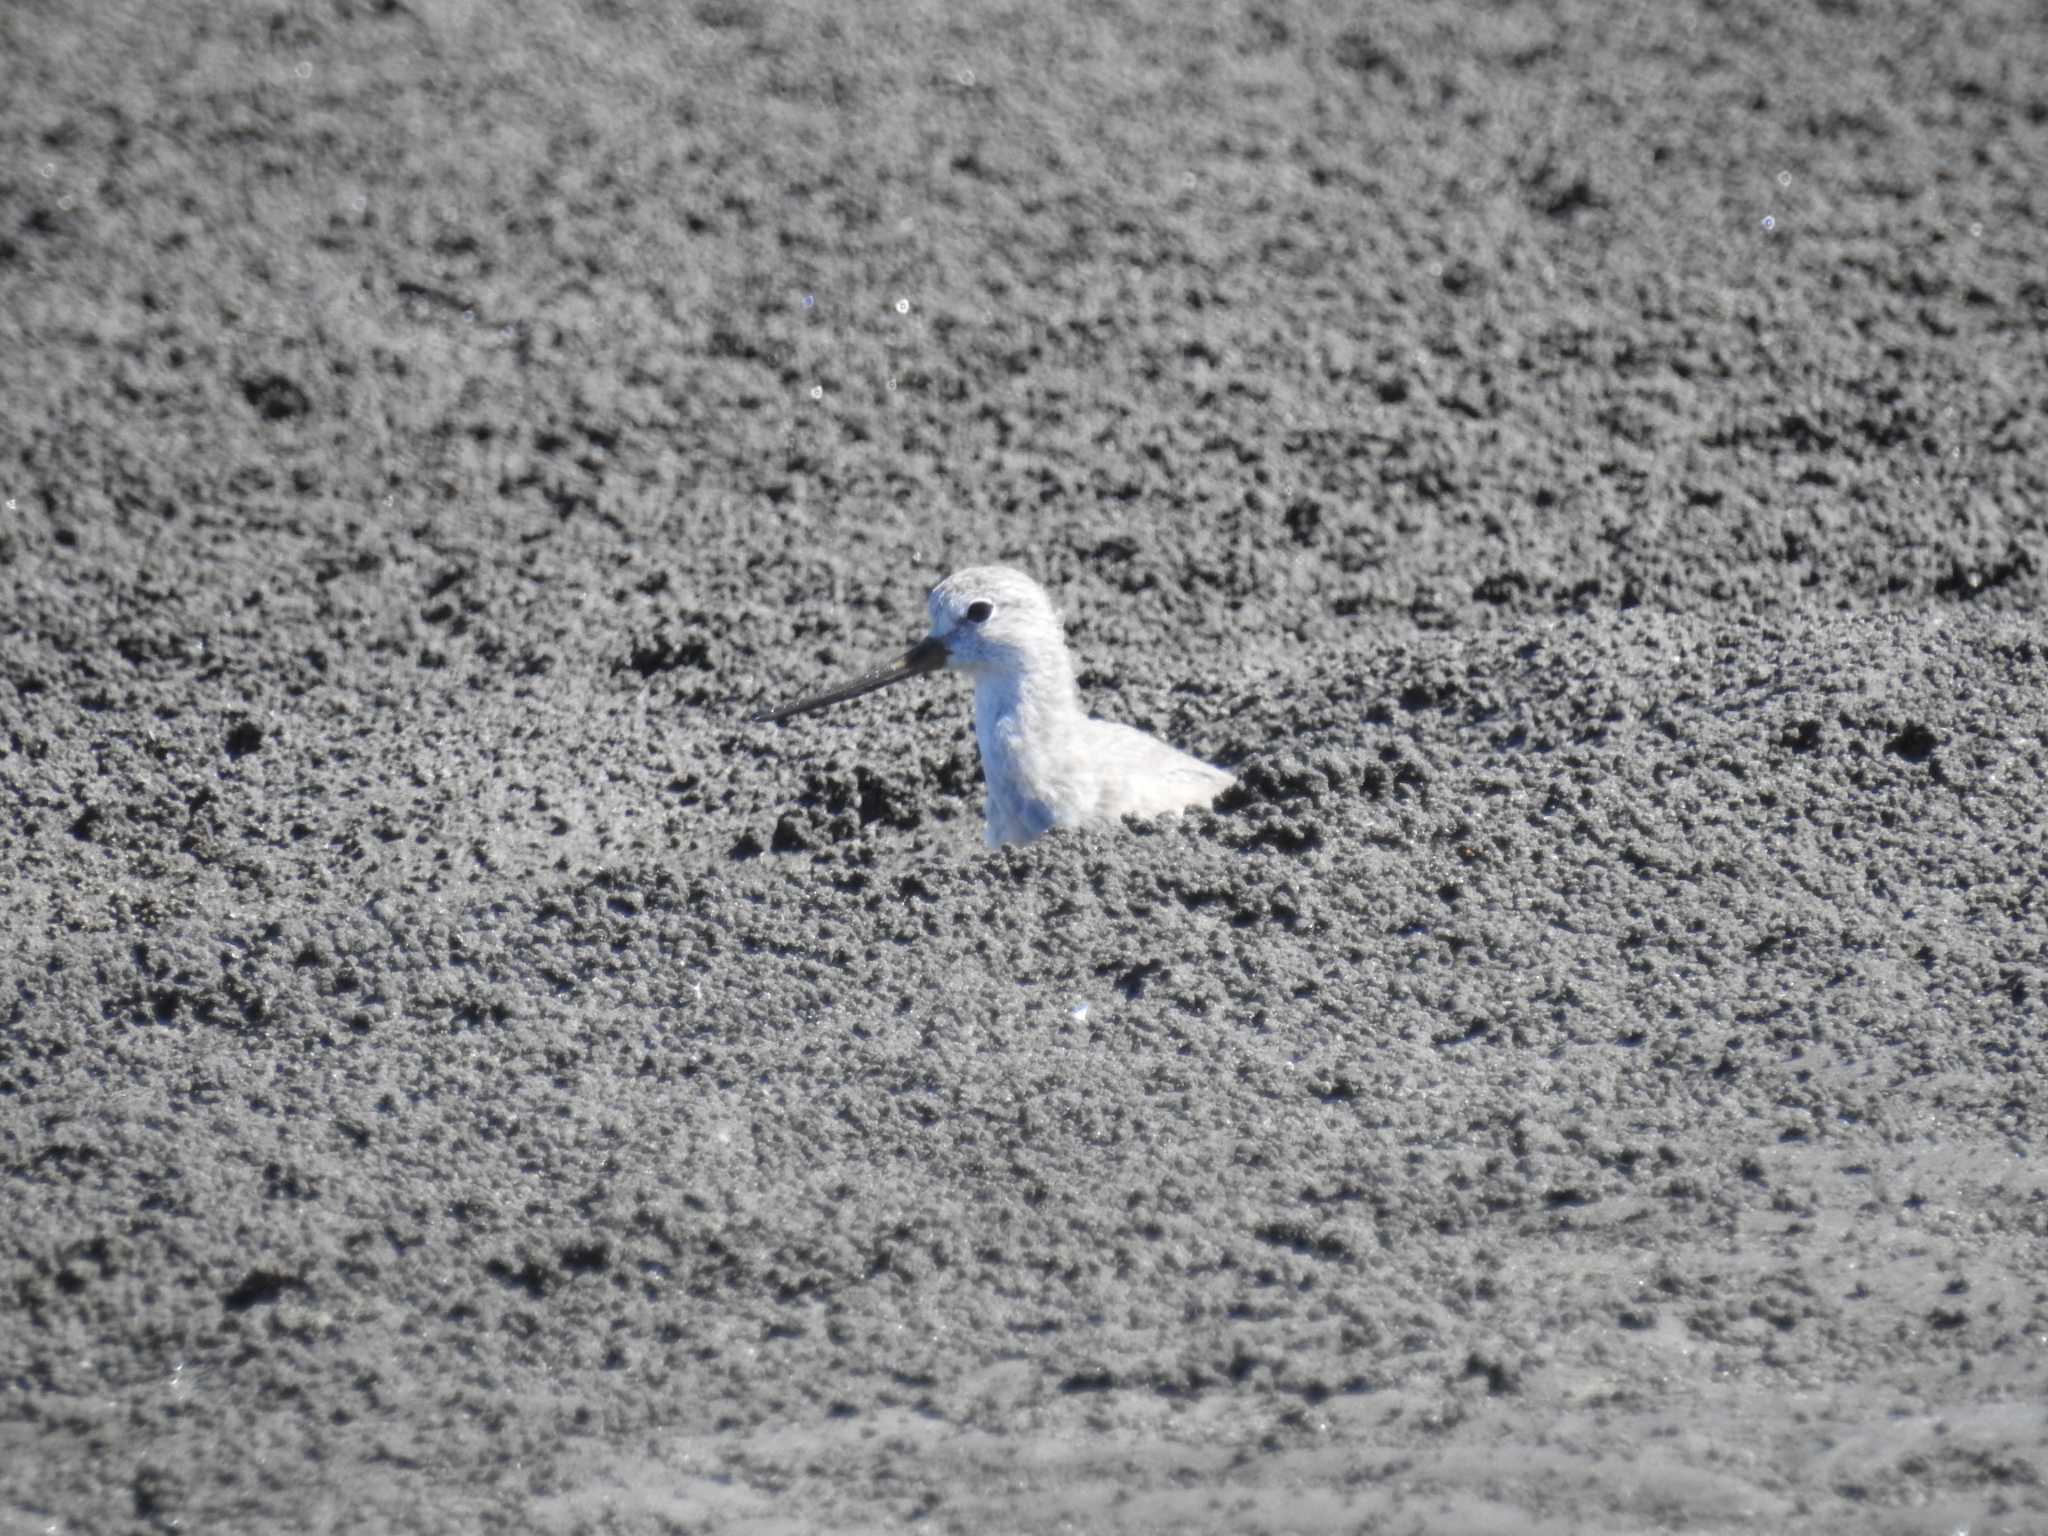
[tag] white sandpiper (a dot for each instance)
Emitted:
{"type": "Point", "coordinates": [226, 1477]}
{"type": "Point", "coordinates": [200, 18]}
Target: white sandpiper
{"type": "Point", "coordinates": [1046, 762]}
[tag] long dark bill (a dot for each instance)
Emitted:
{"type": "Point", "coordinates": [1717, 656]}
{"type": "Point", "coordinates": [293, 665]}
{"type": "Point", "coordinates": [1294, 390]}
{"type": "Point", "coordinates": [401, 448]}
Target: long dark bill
{"type": "Point", "coordinates": [928, 655]}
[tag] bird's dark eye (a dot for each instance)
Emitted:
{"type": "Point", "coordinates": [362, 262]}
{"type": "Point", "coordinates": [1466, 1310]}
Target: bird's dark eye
{"type": "Point", "coordinates": [978, 612]}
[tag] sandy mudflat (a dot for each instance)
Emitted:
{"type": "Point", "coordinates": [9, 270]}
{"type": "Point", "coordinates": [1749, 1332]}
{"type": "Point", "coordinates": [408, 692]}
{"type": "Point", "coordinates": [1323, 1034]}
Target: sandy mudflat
{"type": "Point", "coordinates": [1583, 467]}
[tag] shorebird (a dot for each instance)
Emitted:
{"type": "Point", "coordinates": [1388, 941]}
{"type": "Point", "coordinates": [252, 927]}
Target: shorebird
{"type": "Point", "coordinates": [1047, 763]}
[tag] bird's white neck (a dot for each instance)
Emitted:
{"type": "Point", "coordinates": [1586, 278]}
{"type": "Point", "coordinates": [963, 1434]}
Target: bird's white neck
{"type": "Point", "coordinates": [1026, 699]}
{"type": "Point", "coordinates": [1022, 719]}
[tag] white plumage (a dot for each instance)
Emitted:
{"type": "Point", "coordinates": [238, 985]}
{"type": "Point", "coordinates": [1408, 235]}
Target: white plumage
{"type": "Point", "coordinates": [1046, 762]}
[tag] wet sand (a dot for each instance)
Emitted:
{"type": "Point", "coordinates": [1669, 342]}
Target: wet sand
{"type": "Point", "coordinates": [1583, 470]}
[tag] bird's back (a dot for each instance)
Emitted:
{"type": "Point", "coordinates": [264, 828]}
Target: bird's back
{"type": "Point", "coordinates": [1140, 775]}
{"type": "Point", "coordinates": [1087, 772]}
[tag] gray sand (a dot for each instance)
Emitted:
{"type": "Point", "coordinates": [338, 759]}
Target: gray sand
{"type": "Point", "coordinates": [1583, 469]}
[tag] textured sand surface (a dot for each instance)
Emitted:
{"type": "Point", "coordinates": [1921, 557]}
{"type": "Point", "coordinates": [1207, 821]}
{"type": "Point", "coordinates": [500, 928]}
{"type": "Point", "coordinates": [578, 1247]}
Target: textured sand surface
{"type": "Point", "coordinates": [1584, 467]}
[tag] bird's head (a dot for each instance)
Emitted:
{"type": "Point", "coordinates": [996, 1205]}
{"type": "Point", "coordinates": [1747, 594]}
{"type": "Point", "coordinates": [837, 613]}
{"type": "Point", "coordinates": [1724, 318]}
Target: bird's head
{"type": "Point", "coordinates": [992, 619]}
{"type": "Point", "coordinates": [988, 621]}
